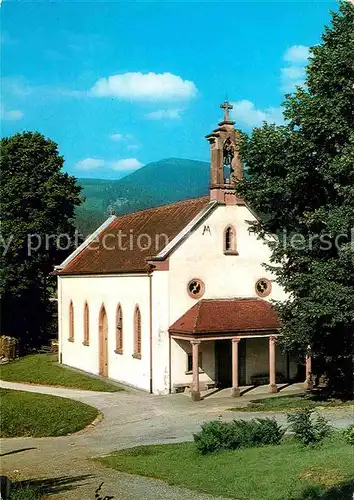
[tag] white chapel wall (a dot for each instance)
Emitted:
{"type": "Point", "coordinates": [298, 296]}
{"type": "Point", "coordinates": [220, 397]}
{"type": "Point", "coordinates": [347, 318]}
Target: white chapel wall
{"type": "Point", "coordinates": [199, 256]}
{"type": "Point", "coordinates": [202, 256]}
{"type": "Point", "coordinates": [107, 290]}
{"type": "Point", "coordinates": [160, 325]}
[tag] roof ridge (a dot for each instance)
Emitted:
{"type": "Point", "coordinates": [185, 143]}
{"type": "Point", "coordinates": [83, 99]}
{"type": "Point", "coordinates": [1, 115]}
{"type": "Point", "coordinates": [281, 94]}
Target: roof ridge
{"type": "Point", "coordinates": [180, 202]}
{"type": "Point", "coordinates": [168, 221]}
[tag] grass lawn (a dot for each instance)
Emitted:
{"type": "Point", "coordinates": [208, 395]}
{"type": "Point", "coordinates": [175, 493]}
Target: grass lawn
{"type": "Point", "coordinates": [284, 472]}
{"type": "Point", "coordinates": [285, 403]}
{"type": "Point", "coordinates": [38, 415]}
{"type": "Point", "coordinates": [44, 369]}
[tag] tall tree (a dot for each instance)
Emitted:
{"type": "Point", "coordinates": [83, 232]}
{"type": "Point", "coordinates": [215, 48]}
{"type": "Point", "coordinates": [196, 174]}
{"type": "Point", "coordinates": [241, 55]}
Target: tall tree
{"type": "Point", "coordinates": [37, 205]}
{"type": "Point", "coordinates": [301, 175]}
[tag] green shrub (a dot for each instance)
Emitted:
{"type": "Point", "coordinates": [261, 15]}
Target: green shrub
{"type": "Point", "coordinates": [212, 437]}
{"type": "Point", "coordinates": [349, 434]}
{"type": "Point", "coordinates": [265, 431]}
{"type": "Point", "coordinates": [217, 435]}
{"type": "Point", "coordinates": [306, 429]}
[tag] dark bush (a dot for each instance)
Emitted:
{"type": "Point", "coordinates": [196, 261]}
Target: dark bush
{"type": "Point", "coordinates": [306, 429]}
{"type": "Point", "coordinates": [217, 435]}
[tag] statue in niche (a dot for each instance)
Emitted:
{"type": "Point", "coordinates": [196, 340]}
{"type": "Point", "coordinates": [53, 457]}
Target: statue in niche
{"type": "Point", "coordinates": [230, 160]}
{"type": "Point", "coordinates": [228, 153]}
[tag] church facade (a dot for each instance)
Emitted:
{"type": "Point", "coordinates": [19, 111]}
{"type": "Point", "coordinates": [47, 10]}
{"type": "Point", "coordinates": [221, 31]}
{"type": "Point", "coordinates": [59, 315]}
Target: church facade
{"type": "Point", "coordinates": [176, 297]}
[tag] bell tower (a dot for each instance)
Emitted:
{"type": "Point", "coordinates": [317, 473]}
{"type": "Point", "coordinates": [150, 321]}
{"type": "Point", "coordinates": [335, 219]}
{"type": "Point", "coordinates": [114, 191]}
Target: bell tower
{"type": "Point", "coordinates": [226, 165]}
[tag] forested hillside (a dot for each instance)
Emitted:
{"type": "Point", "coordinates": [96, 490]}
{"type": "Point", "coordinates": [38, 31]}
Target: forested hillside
{"type": "Point", "coordinates": [155, 184]}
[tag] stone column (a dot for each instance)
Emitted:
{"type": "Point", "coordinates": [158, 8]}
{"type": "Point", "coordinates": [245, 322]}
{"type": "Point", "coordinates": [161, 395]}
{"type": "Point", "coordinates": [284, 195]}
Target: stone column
{"type": "Point", "coordinates": [308, 381]}
{"type": "Point", "coordinates": [195, 392]}
{"type": "Point", "coordinates": [235, 391]}
{"type": "Point", "coordinates": [272, 368]}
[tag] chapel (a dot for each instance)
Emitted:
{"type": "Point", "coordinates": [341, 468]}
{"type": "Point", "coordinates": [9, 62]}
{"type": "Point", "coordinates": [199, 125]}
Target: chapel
{"type": "Point", "coordinates": [176, 298]}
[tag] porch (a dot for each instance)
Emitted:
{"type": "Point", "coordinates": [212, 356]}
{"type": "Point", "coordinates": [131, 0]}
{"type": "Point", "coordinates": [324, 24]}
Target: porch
{"type": "Point", "coordinates": [220, 399]}
{"type": "Point", "coordinates": [230, 343]}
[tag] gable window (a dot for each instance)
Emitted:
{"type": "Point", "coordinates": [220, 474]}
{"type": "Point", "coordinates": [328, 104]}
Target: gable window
{"type": "Point", "coordinates": [230, 247]}
{"type": "Point", "coordinates": [190, 362]}
{"type": "Point", "coordinates": [119, 330]}
{"type": "Point", "coordinates": [137, 333]}
{"type": "Point", "coordinates": [86, 324]}
{"type": "Point", "coordinates": [71, 322]}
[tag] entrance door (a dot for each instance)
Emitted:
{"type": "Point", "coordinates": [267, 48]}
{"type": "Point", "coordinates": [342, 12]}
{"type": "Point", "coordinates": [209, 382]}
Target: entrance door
{"type": "Point", "coordinates": [223, 363]}
{"type": "Point", "coordinates": [103, 343]}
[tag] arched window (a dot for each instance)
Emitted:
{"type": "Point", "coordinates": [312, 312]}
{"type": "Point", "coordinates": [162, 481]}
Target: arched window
{"type": "Point", "coordinates": [71, 322]}
{"type": "Point", "coordinates": [230, 247]}
{"type": "Point", "coordinates": [103, 342]}
{"type": "Point", "coordinates": [86, 324]}
{"type": "Point", "coordinates": [137, 333]}
{"type": "Point", "coordinates": [119, 330]}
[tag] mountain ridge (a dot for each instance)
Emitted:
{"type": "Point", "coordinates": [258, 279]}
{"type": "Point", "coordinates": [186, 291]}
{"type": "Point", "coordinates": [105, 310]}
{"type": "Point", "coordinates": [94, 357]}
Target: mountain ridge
{"type": "Point", "coordinates": [155, 184]}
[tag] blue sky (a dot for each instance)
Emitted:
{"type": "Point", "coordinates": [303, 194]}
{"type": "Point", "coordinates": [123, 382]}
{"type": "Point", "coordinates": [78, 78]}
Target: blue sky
{"type": "Point", "coordinates": [120, 84]}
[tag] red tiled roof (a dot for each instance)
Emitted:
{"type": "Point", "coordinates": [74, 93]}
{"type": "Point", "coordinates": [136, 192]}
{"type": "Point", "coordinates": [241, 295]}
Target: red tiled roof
{"type": "Point", "coordinates": [169, 220]}
{"type": "Point", "coordinates": [210, 316]}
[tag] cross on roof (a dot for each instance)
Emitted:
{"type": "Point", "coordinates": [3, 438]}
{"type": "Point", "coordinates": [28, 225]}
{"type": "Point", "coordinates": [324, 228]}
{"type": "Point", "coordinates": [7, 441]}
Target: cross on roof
{"type": "Point", "coordinates": [226, 106]}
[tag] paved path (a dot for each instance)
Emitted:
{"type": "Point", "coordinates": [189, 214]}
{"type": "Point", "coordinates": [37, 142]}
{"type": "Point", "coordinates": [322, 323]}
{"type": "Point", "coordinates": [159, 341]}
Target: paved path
{"type": "Point", "coordinates": [131, 418]}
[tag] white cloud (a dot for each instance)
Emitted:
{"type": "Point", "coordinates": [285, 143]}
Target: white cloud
{"type": "Point", "coordinates": [164, 114]}
{"type": "Point", "coordinates": [246, 113]}
{"type": "Point", "coordinates": [297, 54]}
{"type": "Point", "coordinates": [89, 164]}
{"type": "Point", "coordinates": [98, 163]}
{"type": "Point", "coordinates": [292, 77]}
{"type": "Point", "coordinates": [10, 114]}
{"type": "Point", "coordinates": [116, 137]}
{"type": "Point", "coordinates": [127, 139]}
{"type": "Point", "coordinates": [294, 74]}
{"type": "Point", "coordinates": [145, 86]}
{"type": "Point", "coordinates": [126, 164]}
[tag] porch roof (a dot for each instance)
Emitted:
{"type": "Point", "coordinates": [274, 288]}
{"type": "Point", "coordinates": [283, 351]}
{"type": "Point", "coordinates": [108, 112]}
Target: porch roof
{"type": "Point", "coordinates": [227, 316]}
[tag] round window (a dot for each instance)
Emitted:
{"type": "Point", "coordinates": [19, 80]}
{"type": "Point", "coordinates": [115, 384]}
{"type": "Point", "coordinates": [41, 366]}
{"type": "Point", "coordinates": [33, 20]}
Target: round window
{"type": "Point", "coordinates": [263, 287]}
{"type": "Point", "coordinates": [196, 288]}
